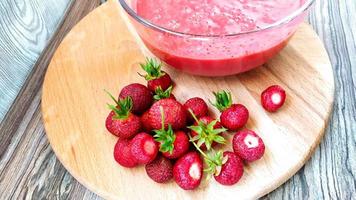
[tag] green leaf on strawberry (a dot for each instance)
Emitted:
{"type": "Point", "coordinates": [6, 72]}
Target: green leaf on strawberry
{"type": "Point", "coordinates": [213, 160]}
{"type": "Point", "coordinates": [206, 133]}
{"type": "Point", "coordinates": [122, 107]}
{"type": "Point", "coordinates": [160, 94]}
{"type": "Point", "coordinates": [223, 100]}
{"type": "Point", "coordinates": [153, 69]}
{"type": "Point", "coordinates": [165, 137]}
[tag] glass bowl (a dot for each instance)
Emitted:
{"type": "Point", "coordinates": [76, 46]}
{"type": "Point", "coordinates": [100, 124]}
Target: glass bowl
{"type": "Point", "coordinates": [216, 55]}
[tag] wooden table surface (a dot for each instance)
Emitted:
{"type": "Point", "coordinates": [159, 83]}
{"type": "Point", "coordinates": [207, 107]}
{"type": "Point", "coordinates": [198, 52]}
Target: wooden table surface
{"type": "Point", "coordinates": [30, 31]}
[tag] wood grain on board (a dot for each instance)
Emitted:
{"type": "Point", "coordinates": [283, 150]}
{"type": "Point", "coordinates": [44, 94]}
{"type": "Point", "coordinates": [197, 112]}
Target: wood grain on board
{"type": "Point", "coordinates": [329, 174]}
{"type": "Point", "coordinates": [101, 53]}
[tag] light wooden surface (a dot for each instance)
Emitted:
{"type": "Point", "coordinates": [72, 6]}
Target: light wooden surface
{"type": "Point", "coordinates": [100, 53]}
{"type": "Point", "coordinates": [30, 170]}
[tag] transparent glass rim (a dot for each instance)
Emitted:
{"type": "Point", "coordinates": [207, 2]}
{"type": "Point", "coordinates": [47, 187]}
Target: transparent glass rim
{"type": "Point", "coordinates": [151, 25]}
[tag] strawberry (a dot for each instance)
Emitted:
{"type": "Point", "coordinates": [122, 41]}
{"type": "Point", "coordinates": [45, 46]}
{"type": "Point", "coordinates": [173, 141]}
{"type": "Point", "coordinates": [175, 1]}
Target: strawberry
{"type": "Point", "coordinates": [144, 119]}
{"type": "Point", "coordinates": [155, 76]}
{"type": "Point", "coordinates": [122, 153]}
{"type": "Point", "coordinates": [160, 94]}
{"type": "Point", "coordinates": [141, 97]}
{"type": "Point", "coordinates": [121, 122]}
{"type": "Point", "coordinates": [181, 146]}
{"type": "Point", "coordinates": [144, 148]}
{"type": "Point", "coordinates": [198, 107]}
{"type": "Point", "coordinates": [233, 116]}
{"type": "Point", "coordinates": [188, 171]}
{"type": "Point", "coordinates": [206, 132]}
{"type": "Point", "coordinates": [226, 167]}
{"type": "Point", "coordinates": [248, 145]}
{"type": "Point", "coordinates": [172, 144]}
{"type": "Point", "coordinates": [231, 171]}
{"type": "Point", "coordinates": [173, 111]}
{"type": "Point", "coordinates": [273, 98]}
{"type": "Point", "coordinates": [160, 170]}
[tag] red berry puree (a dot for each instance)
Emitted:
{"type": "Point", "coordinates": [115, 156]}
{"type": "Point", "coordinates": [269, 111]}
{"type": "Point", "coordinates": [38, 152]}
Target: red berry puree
{"type": "Point", "coordinates": [222, 54]}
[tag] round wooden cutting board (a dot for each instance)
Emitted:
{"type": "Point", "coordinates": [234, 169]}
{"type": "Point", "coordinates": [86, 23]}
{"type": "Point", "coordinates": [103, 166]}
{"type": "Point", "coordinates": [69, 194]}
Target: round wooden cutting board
{"type": "Point", "coordinates": [102, 53]}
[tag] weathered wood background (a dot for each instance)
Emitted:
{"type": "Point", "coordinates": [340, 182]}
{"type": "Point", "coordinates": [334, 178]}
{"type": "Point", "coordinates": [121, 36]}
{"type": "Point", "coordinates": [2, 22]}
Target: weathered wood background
{"type": "Point", "coordinates": [30, 31]}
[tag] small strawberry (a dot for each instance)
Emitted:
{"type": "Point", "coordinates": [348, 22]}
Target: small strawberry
{"type": "Point", "coordinates": [206, 132]}
{"type": "Point", "coordinates": [173, 111]}
{"type": "Point", "coordinates": [188, 171]}
{"type": "Point", "coordinates": [144, 148]}
{"type": "Point", "coordinates": [227, 168]}
{"type": "Point", "coordinates": [141, 97]}
{"type": "Point", "coordinates": [198, 107]}
{"type": "Point", "coordinates": [121, 122]}
{"type": "Point", "coordinates": [155, 76]}
{"type": "Point", "coordinates": [231, 171]}
{"type": "Point", "coordinates": [273, 98]}
{"type": "Point", "coordinates": [181, 146]}
{"type": "Point", "coordinates": [233, 116]}
{"type": "Point", "coordinates": [145, 122]}
{"type": "Point", "coordinates": [248, 145]}
{"type": "Point", "coordinates": [160, 170]}
{"type": "Point", "coordinates": [160, 94]}
{"type": "Point", "coordinates": [122, 153]}
{"type": "Point", "coordinates": [172, 144]}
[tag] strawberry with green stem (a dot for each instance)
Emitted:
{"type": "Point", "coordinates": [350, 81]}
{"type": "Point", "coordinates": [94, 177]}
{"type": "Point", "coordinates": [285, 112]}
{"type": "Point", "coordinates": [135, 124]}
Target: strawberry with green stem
{"type": "Point", "coordinates": [155, 76]}
{"type": "Point", "coordinates": [163, 94]}
{"type": "Point", "coordinates": [233, 116]}
{"type": "Point", "coordinates": [173, 144]}
{"type": "Point", "coordinates": [226, 167]}
{"type": "Point", "coordinates": [121, 122]}
{"type": "Point", "coordinates": [206, 132]}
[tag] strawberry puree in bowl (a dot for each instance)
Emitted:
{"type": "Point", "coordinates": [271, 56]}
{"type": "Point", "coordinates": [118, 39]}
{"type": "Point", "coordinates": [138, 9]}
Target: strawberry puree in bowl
{"type": "Point", "coordinates": [216, 37]}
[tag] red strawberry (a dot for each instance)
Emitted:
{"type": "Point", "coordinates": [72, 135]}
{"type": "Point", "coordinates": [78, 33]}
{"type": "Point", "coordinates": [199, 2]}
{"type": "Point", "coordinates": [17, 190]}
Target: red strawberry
{"type": "Point", "coordinates": [248, 145]}
{"type": "Point", "coordinates": [172, 144]}
{"type": "Point", "coordinates": [197, 106]}
{"type": "Point", "coordinates": [160, 170]}
{"type": "Point", "coordinates": [155, 76]}
{"type": "Point", "coordinates": [226, 167]}
{"type": "Point", "coordinates": [141, 97]}
{"type": "Point", "coordinates": [144, 148]}
{"type": "Point", "coordinates": [121, 122]}
{"type": "Point", "coordinates": [173, 111]}
{"type": "Point", "coordinates": [144, 122]}
{"type": "Point", "coordinates": [231, 170]}
{"type": "Point", "coordinates": [206, 132]}
{"type": "Point", "coordinates": [160, 94]}
{"type": "Point", "coordinates": [180, 146]}
{"type": "Point", "coordinates": [188, 171]}
{"type": "Point", "coordinates": [233, 116]}
{"type": "Point", "coordinates": [273, 98]}
{"type": "Point", "coordinates": [122, 153]}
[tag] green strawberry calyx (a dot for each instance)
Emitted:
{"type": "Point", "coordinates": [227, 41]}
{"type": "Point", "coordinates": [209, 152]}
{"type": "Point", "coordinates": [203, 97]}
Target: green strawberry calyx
{"type": "Point", "coordinates": [122, 107]}
{"type": "Point", "coordinates": [206, 133]}
{"type": "Point", "coordinates": [214, 160]}
{"type": "Point", "coordinates": [165, 136]}
{"type": "Point", "coordinates": [160, 94]}
{"type": "Point", "coordinates": [153, 69]}
{"type": "Point", "coordinates": [223, 100]}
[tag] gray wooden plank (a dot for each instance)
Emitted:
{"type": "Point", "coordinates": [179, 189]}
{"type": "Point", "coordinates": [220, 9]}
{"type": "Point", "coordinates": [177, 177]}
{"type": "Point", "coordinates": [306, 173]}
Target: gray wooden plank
{"type": "Point", "coordinates": [29, 167]}
{"type": "Point", "coordinates": [25, 28]}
